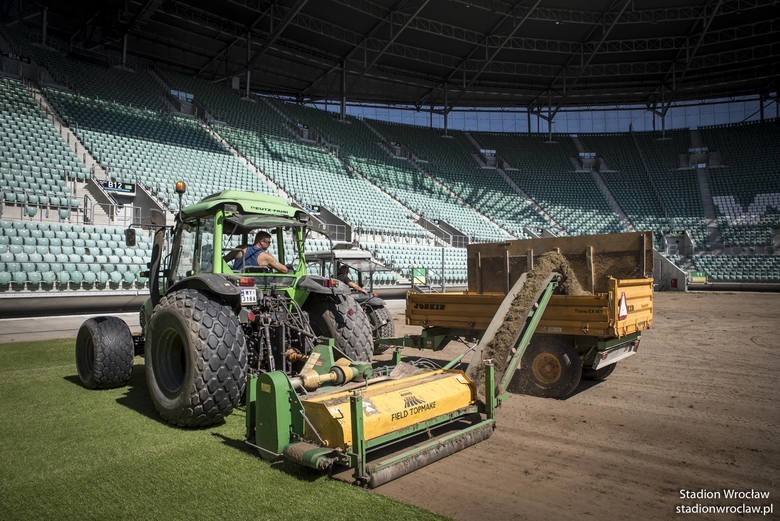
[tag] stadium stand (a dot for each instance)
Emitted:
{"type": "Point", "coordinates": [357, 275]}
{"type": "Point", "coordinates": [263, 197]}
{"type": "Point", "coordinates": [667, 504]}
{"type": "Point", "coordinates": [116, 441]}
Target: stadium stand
{"type": "Point", "coordinates": [156, 150]}
{"type": "Point", "coordinates": [45, 256]}
{"type": "Point", "coordinates": [530, 153]}
{"type": "Point", "coordinates": [104, 83]}
{"type": "Point", "coordinates": [662, 153]}
{"type": "Point", "coordinates": [746, 185]}
{"type": "Point", "coordinates": [739, 268]}
{"type": "Point", "coordinates": [450, 165]}
{"type": "Point", "coordinates": [36, 166]}
{"type": "Point", "coordinates": [680, 197]}
{"type": "Point", "coordinates": [454, 167]}
{"type": "Point", "coordinates": [633, 181]}
{"type": "Point", "coordinates": [307, 172]}
{"type": "Point", "coordinates": [379, 177]}
{"type": "Point", "coordinates": [439, 263]}
{"type": "Point", "coordinates": [546, 172]}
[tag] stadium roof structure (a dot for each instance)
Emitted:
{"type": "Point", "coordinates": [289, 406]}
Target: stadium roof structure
{"type": "Point", "coordinates": [442, 53]}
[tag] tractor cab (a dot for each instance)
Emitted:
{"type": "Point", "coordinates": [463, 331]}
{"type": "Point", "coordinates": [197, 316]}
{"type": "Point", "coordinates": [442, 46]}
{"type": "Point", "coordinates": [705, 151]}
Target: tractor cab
{"type": "Point", "coordinates": [208, 236]}
{"type": "Point", "coordinates": [362, 266]}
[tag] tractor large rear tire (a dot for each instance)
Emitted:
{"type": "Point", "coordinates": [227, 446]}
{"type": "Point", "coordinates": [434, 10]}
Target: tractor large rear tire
{"type": "Point", "coordinates": [550, 368]}
{"type": "Point", "coordinates": [381, 325]}
{"type": "Point", "coordinates": [196, 359]}
{"type": "Point", "coordinates": [104, 353]}
{"type": "Point", "coordinates": [341, 318]}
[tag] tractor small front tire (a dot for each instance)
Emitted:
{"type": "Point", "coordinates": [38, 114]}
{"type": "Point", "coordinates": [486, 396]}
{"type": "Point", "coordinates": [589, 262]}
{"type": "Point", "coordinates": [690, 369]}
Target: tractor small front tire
{"type": "Point", "coordinates": [104, 353]}
{"type": "Point", "coordinates": [598, 375]}
{"type": "Point", "coordinates": [341, 318]}
{"type": "Point", "coordinates": [381, 325]}
{"type": "Point", "coordinates": [550, 368]}
{"type": "Point", "coordinates": [196, 359]}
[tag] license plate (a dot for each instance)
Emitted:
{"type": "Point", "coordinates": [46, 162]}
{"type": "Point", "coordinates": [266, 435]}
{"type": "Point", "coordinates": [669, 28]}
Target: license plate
{"type": "Point", "coordinates": [248, 296]}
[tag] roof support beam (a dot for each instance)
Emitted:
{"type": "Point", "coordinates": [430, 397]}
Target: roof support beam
{"type": "Point", "coordinates": [390, 42]}
{"type": "Point", "coordinates": [473, 37]}
{"type": "Point", "coordinates": [690, 56]}
{"type": "Point", "coordinates": [706, 21]}
{"type": "Point", "coordinates": [471, 53]}
{"type": "Point", "coordinates": [143, 14]}
{"type": "Point", "coordinates": [354, 48]}
{"type": "Point", "coordinates": [633, 16]}
{"type": "Point", "coordinates": [478, 67]}
{"type": "Point", "coordinates": [277, 32]}
{"type": "Point", "coordinates": [237, 39]}
{"type": "Point", "coordinates": [586, 63]}
{"type": "Point", "coordinates": [492, 57]}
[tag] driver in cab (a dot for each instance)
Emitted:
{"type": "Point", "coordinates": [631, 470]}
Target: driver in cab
{"type": "Point", "coordinates": [343, 276]}
{"type": "Point", "coordinates": [256, 255]}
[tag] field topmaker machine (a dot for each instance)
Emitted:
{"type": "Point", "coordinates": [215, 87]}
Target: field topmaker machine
{"type": "Point", "coordinates": [298, 349]}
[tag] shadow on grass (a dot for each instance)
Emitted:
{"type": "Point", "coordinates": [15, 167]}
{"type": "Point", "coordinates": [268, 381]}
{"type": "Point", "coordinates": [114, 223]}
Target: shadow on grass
{"type": "Point", "coordinates": [297, 471]}
{"type": "Point", "coordinates": [238, 444]}
{"type": "Point", "coordinates": [137, 398]}
{"type": "Point", "coordinates": [74, 379]}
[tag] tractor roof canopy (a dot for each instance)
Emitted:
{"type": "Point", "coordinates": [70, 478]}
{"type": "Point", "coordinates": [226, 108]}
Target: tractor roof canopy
{"type": "Point", "coordinates": [247, 211]}
{"type": "Point", "coordinates": [356, 258]}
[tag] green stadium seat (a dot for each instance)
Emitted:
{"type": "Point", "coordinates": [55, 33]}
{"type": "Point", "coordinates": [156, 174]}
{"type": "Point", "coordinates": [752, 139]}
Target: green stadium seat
{"type": "Point", "coordinates": [89, 279]}
{"type": "Point", "coordinates": [19, 280]}
{"type": "Point", "coordinates": [63, 279]}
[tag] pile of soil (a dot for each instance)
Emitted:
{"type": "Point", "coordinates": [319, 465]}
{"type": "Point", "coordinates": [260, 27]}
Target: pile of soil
{"type": "Point", "coordinates": [605, 266]}
{"type": "Point", "coordinates": [500, 347]}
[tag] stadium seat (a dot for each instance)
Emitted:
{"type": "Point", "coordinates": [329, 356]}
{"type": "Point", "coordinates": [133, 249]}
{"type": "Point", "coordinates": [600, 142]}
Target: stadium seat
{"type": "Point", "coordinates": [5, 279]}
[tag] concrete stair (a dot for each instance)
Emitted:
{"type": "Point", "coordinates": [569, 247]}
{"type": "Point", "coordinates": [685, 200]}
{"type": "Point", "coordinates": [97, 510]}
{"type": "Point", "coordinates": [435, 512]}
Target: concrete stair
{"type": "Point", "coordinates": [243, 160]}
{"type": "Point", "coordinates": [613, 204]}
{"type": "Point", "coordinates": [97, 206]}
{"type": "Point", "coordinates": [713, 232]}
{"type": "Point", "coordinates": [170, 102]}
{"type": "Point", "coordinates": [528, 199]}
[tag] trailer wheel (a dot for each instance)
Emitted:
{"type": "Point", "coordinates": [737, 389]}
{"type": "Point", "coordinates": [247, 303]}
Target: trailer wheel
{"type": "Point", "coordinates": [196, 359]}
{"type": "Point", "coordinates": [602, 373]}
{"type": "Point", "coordinates": [381, 325]}
{"type": "Point", "coordinates": [550, 368]}
{"type": "Point", "coordinates": [341, 318]}
{"type": "Point", "coordinates": [104, 353]}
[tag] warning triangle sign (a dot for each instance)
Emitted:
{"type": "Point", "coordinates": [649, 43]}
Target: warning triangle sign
{"type": "Point", "coordinates": [622, 308]}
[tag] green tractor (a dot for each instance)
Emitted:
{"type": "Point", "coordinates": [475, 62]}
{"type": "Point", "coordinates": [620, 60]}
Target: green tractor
{"type": "Point", "coordinates": [206, 327]}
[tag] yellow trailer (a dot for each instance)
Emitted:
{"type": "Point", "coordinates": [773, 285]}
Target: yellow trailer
{"type": "Point", "coordinates": [587, 315]}
{"type": "Point", "coordinates": [607, 302]}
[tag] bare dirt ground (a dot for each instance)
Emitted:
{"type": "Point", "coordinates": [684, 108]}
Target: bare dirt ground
{"type": "Point", "coordinates": [696, 408]}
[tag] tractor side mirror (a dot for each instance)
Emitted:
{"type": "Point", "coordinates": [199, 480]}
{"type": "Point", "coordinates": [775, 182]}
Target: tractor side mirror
{"type": "Point", "coordinates": [130, 237]}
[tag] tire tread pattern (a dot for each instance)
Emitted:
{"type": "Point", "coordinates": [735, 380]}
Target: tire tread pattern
{"type": "Point", "coordinates": [385, 328]}
{"type": "Point", "coordinates": [220, 360]}
{"type": "Point", "coordinates": [112, 357]}
{"type": "Point", "coordinates": [341, 318]}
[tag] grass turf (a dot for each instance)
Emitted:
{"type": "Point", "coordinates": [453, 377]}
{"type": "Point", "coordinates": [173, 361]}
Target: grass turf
{"type": "Point", "coordinates": [71, 453]}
